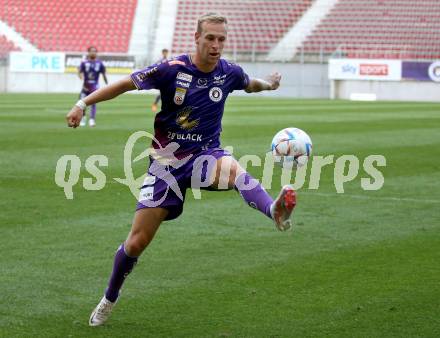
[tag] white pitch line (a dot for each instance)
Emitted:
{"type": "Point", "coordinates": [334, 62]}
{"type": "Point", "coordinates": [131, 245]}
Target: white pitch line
{"type": "Point", "coordinates": [394, 199]}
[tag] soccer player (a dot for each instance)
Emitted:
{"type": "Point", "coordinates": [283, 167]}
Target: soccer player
{"type": "Point", "coordinates": [157, 99]}
{"type": "Point", "coordinates": [194, 88]}
{"type": "Point", "coordinates": [89, 71]}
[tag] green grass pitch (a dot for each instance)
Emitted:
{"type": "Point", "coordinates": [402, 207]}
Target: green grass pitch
{"type": "Point", "coordinates": [358, 264]}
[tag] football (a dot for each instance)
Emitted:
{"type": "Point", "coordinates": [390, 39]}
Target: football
{"type": "Point", "coordinates": [293, 146]}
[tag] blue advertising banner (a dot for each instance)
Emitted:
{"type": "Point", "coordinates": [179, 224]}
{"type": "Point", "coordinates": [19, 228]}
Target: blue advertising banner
{"type": "Point", "coordinates": [43, 62]}
{"type": "Point", "coordinates": [421, 71]}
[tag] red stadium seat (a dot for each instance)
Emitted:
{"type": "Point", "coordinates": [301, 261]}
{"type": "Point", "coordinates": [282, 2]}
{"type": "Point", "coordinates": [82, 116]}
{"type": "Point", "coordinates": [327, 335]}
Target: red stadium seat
{"type": "Point", "coordinates": [254, 26]}
{"type": "Point", "coordinates": [71, 25]}
{"type": "Point", "coordinates": [379, 28]}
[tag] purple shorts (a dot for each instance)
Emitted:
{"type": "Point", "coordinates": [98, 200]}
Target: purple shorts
{"type": "Point", "coordinates": [86, 91]}
{"type": "Point", "coordinates": [165, 185]}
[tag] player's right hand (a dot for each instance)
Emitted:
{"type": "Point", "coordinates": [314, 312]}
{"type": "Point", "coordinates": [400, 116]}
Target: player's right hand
{"type": "Point", "coordinates": [74, 117]}
{"type": "Point", "coordinates": [274, 80]}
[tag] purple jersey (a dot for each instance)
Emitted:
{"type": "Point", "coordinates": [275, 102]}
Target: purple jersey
{"type": "Point", "coordinates": [91, 70]}
{"type": "Point", "coordinates": [192, 101]}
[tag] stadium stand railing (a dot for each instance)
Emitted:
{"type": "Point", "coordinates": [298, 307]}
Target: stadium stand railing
{"type": "Point", "coordinates": [6, 46]}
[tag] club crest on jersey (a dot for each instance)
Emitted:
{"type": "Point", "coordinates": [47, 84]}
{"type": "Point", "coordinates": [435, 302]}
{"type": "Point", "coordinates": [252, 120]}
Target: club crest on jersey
{"type": "Point", "coordinates": [215, 94]}
{"type": "Point", "coordinates": [184, 77]}
{"type": "Point", "coordinates": [179, 96]}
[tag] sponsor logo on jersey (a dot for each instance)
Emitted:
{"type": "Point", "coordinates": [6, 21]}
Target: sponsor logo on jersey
{"type": "Point", "coordinates": [179, 96]}
{"type": "Point", "coordinates": [182, 84]}
{"type": "Point", "coordinates": [219, 80]}
{"type": "Point", "coordinates": [184, 137]}
{"type": "Point", "coordinates": [184, 77]}
{"type": "Point", "coordinates": [202, 83]}
{"type": "Point", "coordinates": [183, 119]}
{"type": "Point", "coordinates": [146, 194]}
{"type": "Point", "coordinates": [151, 71]}
{"type": "Point", "coordinates": [144, 75]}
{"type": "Point", "coordinates": [215, 94]}
{"type": "Point", "coordinates": [141, 77]}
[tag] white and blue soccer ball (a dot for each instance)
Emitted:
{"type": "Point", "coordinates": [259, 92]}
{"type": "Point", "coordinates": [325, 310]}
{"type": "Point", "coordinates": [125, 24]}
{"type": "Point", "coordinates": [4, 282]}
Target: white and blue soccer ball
{"type": "Point", "coordinates": [291, 146]}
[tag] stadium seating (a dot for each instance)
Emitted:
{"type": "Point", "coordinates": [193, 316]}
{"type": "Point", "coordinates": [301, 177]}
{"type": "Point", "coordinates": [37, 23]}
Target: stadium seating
{"type": "Point", "coordinates": [71, 25]}
{"type": "Point", "coordinates": [255, 26]}
{"type": "Point", "coordinates": [401, 29]}
{"type": "Point", "coordinates": [6, 46]}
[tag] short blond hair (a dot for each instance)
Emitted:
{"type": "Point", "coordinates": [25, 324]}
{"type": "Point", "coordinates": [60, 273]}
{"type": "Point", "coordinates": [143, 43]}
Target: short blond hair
{"type": "Point", "coordinates": [210, 17]}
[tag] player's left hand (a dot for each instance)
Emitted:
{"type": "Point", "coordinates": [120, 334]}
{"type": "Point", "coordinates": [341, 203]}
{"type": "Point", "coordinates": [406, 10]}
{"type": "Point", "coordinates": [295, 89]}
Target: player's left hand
{"type": "Point", "coordinates": [274, 80]}
{"type": "Point", "coordinates": [74, 117]}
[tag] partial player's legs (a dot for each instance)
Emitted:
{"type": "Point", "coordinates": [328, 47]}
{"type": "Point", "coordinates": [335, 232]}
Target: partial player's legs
{"type": "Point", "coordinates": [229, 174]}
{"type": "Point", "coordinates": [282, 208]}
{"type": "Point", "coordinates": [155, 103]}
{"type": "Point", "coordinates": [145, 224]}
{"type": "Point", "coordinates": [84, 118]}
{"type": "Point", "coordinates": [92, 122]}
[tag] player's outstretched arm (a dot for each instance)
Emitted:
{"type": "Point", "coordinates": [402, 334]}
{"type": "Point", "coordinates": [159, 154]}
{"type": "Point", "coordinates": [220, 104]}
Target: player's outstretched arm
{"type": "Point", "coordinates": [103, 94]}
{"type": "Point", "coordinates": [272, 82]}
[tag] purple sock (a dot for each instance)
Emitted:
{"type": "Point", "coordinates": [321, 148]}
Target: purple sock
{"type": "Point", "coordinates": [93, 111]}
{"type": "Point", "coordinates": [122, 266]}
{"type": "Point", "coordinates": [253, 193]}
